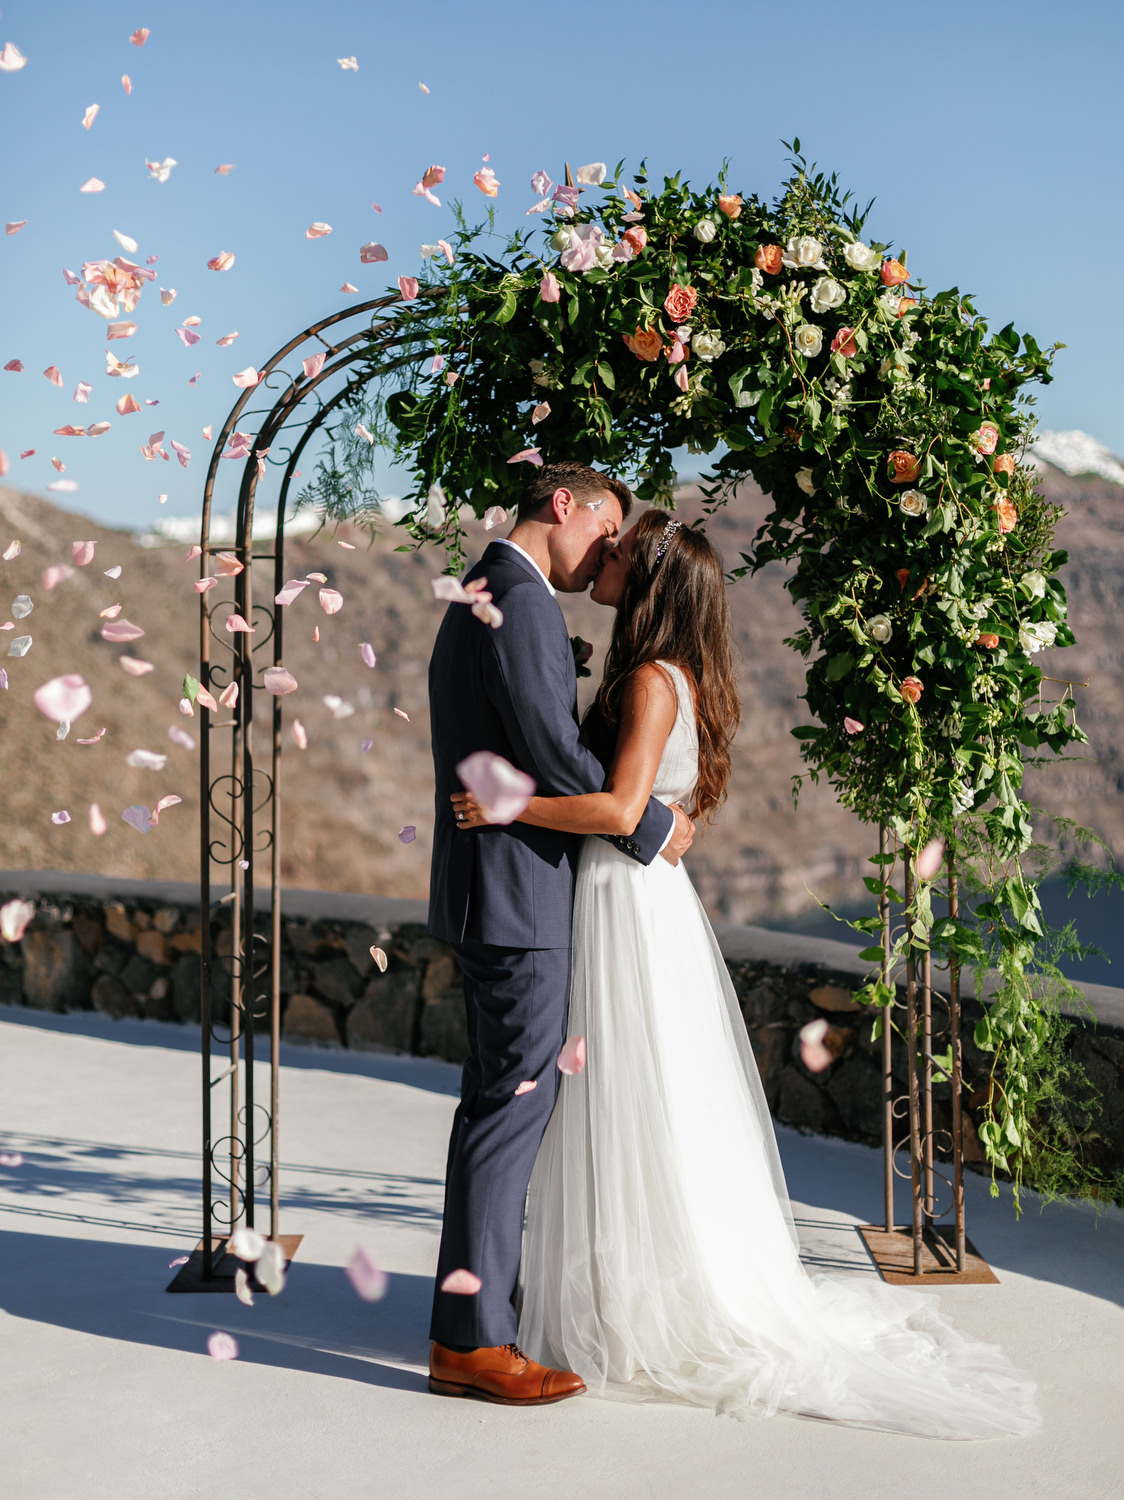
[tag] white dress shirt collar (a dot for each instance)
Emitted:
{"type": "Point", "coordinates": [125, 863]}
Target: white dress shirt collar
{"type": "Point", "coordinates": [507, 542]}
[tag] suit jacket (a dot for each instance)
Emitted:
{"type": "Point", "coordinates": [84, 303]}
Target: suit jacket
{"type": "Point", "coordinates": [512, 691]}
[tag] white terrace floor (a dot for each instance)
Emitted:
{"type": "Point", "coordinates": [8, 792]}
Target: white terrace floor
{"type": "Point", "coordinates": [106, 1388]}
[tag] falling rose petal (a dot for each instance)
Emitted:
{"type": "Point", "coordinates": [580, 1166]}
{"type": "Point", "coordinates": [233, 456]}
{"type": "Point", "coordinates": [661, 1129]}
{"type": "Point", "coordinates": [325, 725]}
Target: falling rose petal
{"type": "Point", "coordinates": [135, 666]}
{"type": "Point", "coordinates": [540, 413]}
{"type": "Point", "coordinates": [229, 695]}
{"type": "Point", "coordinates": [138, 817]}
{"type": "Point", "coordinates": [114, 367]}
{"type": "Point", "coordinates": [408, 286]}
{"type": "Point", "coordinates": [339, 708]}
{"type": "Point", "coordinates": [13, 549]}
{"type": "Point", "coordinates": [64, 698]}
{"type": "Point", "coordinates": [68, 431]}
{"type": "Point", "coordinates": [82, 392]}
{"type": "Point", "coordinates": [22, 606]}
{"type": "Point", "coordinates": [317, 577]}
{"type": "Point", "coordinates": [146, 760]}
{"type": "Point", "coordinates": [421, 88]}
{"type": "Point", "coordinates": [114, 572]}
{"type": "Point", "coordinates": [348, 64]}
{"type": "Point", "coordinates": [227, 565]}
{"type": "Point", "coordinates": [402, 714]}
{"type": "Point", "coordinates": [110, 612]}
{"type": "Point", "coordinates": [120, 631]}
{"type": "Point", "coordinates": [450, 589]}
{"type": "Point", "coordinates": [291, 591]}
{"type": "Point", "coordinates": [313, 365]}
{"type": "Point", "coordinates": [182, 452]}
{"type": "Point", "coordinates": [60, 817]}
{"type": "Point", "coordinates": [14, 919]}
{"type": "Point", "coordinates": [235, 623]}
{"type": "Point", "coordinates": [349, 545]}
{"type": "Point", "coordinates": [225, 169]}
{"type": "Point", "coordinates": [347, 287]}
{"type": "Point", "coordinates": [187, 336]}
{"type": "Point", "coordinates": [226, 340]}
{"type": "Point", "coordinates": [813, 1054]}
{"type": "Point", "coordinates": [16, 366]}
{"type": "Point", "coordinates": [681, 378]}
{"type": "Point", "coordinates": [526, 1086]}
{"type": "Point", "coordinates": [278, 681]}
{"type": "Point", "coordinates": [92, 185]}
{"type": "Point", "coordinates": [446, 250]}
{"type": "Point", "coordinates": [367, 436]}
{"type": "Point", "coordinates": [316, 633]}
{"type": "Point", "coordinates": [207, 432]}
{"type": "Point", "coordinates": [317, 231]}
{"type": "Point", "coordinates": [271, 1268]}
{"type": "Point", "coordinates": [93, 740]}
{"type": "Point", "coordinates": [126, 83]}
{"type": "Point", "coordinates": [461, 1283]}
{"type": "Point", "coordinates": [300, 735]}
{"type": "Point", "coordinates": [571, 1060]}
{"type": "Point", "coordinates": [367, 652]}
{"type": "Point", "coordinates": [52, 374]}
{"type": "Point", "coordinates": [60, 468]}
{"type": "Point", "coordinates": [408, 834]}
{"type": "Point", "coordinates": [380, 959]}
{"type": "Point", "coordinates": [372, 252]}
{"type": "Point", "coordinates": [83, 553]}
{"type": "Point", "coordinates": [221, 1345]}
{"type": "Point", "coordinates": [170, 801]}
{"type": "Point", "coordinates": [221, 262]}
{"type": "Point", "coordinates": [127, 405]}
{"type": "Point", "coordinates": [14, 226]}
{"type": "Point", "coordinates": [494, 516]}
{"type": "Point", "coordinates": [54, 575]}
{"type": "Point", "coordinates": [11, 58]}
{"type": "Point", "coordinates": [201, 585]}
{"type": "Point", "coordinates": [487, 182]}
{"type": "Point", "coordinates": [242, 1288]}
{"type": "Point", "coordinates": [592, 175]}
{"type": "Point", "coordinates": [501, 789]}
{"type": "Point", "coordinates": [168, 296]}
{"type": "Point", "coordinates": [126, 241]}
{"type": "Point", "coordinates": [120, 330]}
{"type": "Point", "coordinates": [246, 379]}
{"type": "Point", "coordinates": [364, 746]}
{"type": "Point", "coordinates": [27, 453]}
{"type": "Point", "coordinates": [853, 726]}
{"type": "Point", "coordinates": [206, 700]}
{"type": "Point", "coordinates": [331, 601]}
{"type": "Point", "coordinates": [98, 825]}
{"type": "Point", "coordinates": [366, 1277]}
{"type": "Point", "coordinates": [63, 487]}
{"type": "Point", "coordinates": [436, 364]}
{"type": "Point", "coordinates": [527, 456]}
{"type": "Point", "coordinates": [928, 862]}
{"type": "Point", "coordinates": [11, 1159]}
{"type": "Point", "coordinates": [195, 550]}
{"type": "Point", "coordinates": [140, 36]}
{"type": "Point", "coordinates": [181, 737]}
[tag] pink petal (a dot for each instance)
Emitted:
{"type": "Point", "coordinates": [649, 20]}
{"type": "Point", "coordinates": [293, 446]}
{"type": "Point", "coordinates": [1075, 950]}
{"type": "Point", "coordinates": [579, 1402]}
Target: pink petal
{"type": "Point", "coordinates": [436, 364]}
{"type": "Point", "coordinates": [225, 170]}
{"type": "Point", "coordinates": [64, 698]}
{"type": "Point", "coordinates": [69, 431]}
{"type": "Point", "coordinates": [422, 89]}
{"type": "Point", "coordinates": [195, 550]}
{"type": "Point", "coordinates": [229, 695]}
{"type": "Point", "coordinates": [60, 817]}
{"type": "Point", "coordinates": [408, 834]}
{"type": "Point", "coordinates": [14, 226]}
{"type": "Point", "coordinates": [57, 573]}
{"type": "Point", "coordinates": [83, 553]}
{"type": "Point", "coordinates": [278, 681]}
{"type": "Point", "coordinates": [110, 612]}
{"type": "Point", "coordinates": [235, 623]}
{"type": "Point", "coordinates": [182, 452]}
{"type": "Point", "coordinates": [52, 374]}
{"type": "Point", "coordinates": [90, 116]}
{"type": "Point", "coordinates": [82, 392]}
{"type": "Point", "coordinates": [527, 456]}
{"type": "Point", "coordinates": [571, 1060]}
{"type": "Point", "coordinates": [331, 601]}
{"type": "Point", "coordinates": [135, 666]}
{"type": "Point", "coordinates": [167, 297]}
{"type": "Point", "coordinates": [127, 405]}
{"type": "Point", "coordinates": [94, 740]}
{"type": "Point", "coordinates": [447, 249]}
{"type": "Point", "coordinates": [380, 959]}
{"type": "Point", "coordinates": [98, 825]}
{"type": "Point", "coordinates": [221, 1345]}
{"type": "Point", "coordinates": [681, 379]}
{"type": "Point", "coordinates": [140, 36]}
{"type": "Point", "coordinates": [402, 714]}
{"type": "Point", "coordinates": [313, 365]}
{"type": "Point", "coordinates": [221, 262]}
{"type": "Point", "coordinates": [317, 231]}
{"type": "Point", "coordinates": [206, 700]}
{"type": "Point", "coordinates": [540, 413]}
{"type": "Point", "coordinates": [813, 1054]}
{"type": "Point", "coordinates": [549, 288]}
{"type": "Point", "coordinates": [14, 919]}
{"type": "Point", "coordinates": [227, 565]}
{"type": "Point", "coordinates": [60, 468]}
{"type": "Point", "coordinates": [372, 252]}
{"type": "Point", "coordinates": [300, 736]}
{"type": "Point", "coordinates": [366, 1277]}
{"type": "Point", "coordinates": [127, 85]}
{"type": "Point", "coordinates": [207, 432]}
{"type": "Point", "coordinates": [246, 379]}
{"type": "Point", "coordinates": [92, 185]}
{"type": "Point", "coordinates": [365, 746]}
{"type": "Point", "coordinates": [347, 287]}
{"type": "Point", "coordinates": [929, 861]}
{"type": "Point", "coordinates": [291, 591]}
{"type": "Point", "coordinates": [121, 330]}
{"type": "Point", "coordinates": [187, 336]}
{"type": "Point", "coordinates": [461, 1283]}
{"type": "Point", "coordinates": [451, 589]}
{"type": "Point", "coordinates": [97, 429]}
{"type": "Point", "coordinates": [487, 182]}
{"type": "Point", "coordinates": [138, 817]}
{"type": "Point", "coordinates": [367, 652]}
{"type": "Point", "coordinates": [494, 516]}
{"type": "Point", "coordinates": [526, 1086]}
{"type": "Point", "coordinates": [119, 631]}
{"type": "Point", "coordinates": [11, 1158]}
{"type": "Point", "coordinates": [27, 453]}
{"type": "Point", "coordinates": [408, 286]}
{"type": "Point", "coordinates": [181, 737]}
{"type": "Point", "coordinates": [502, 790]}
{"type": "Point", "coordinates": [170, 801]}
{"type": "Point", "coordinates": [16, 366]}
{"type": "Point", "coordinates": [433, 177]}
{"type": "Point", "coordinates": [226, 340]}
{"type": "Point", "coordinates": [853, 726]}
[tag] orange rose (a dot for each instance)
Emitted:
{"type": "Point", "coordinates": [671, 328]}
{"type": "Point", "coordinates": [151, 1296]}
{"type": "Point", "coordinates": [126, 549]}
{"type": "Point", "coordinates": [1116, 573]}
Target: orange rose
{"type": "Point", "coordinates": [768, 259]}
{"type": "Point", "coordinates": [911, 689]}
{"type": "Point", "coordinates": [1003, 463]}
{"type": "Point", "coordinates": [902, 575]}
{"type": "Point", "coordinates": [988, 640]}
{"type": "Point", "coordinates": [679, 303]}
{"type": "Point", "coordinates": [1008, 515]}
{"type": "Point", "coordinates": [645, 343]}
{"type": "Point", "coordinates": [902, 468]}
{"type": "Point", "coordinates": [893, 273]}
{"type": "Point", "coordinates": [731, 204]}
{"type": "Point", "coordinates": [905, 304]}
{"type": "Point", "coordinates": [636, 236]}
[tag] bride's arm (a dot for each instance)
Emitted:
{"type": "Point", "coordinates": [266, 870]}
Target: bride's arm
{"type": "Point", "coordinates": [648, 709]}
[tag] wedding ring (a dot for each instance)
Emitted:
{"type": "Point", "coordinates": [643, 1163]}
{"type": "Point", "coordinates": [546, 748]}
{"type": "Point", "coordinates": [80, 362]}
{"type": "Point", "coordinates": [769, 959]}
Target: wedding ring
{"type": "Point", "coordinates": [460, 817]}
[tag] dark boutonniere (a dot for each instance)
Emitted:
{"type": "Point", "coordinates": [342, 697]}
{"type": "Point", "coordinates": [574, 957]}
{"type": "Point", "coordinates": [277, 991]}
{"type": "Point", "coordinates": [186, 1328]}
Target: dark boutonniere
{"type": "Point", "coordinates": [582, 650]}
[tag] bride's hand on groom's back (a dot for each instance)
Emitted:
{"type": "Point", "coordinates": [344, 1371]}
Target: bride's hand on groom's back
{"type": "Point", "coordinates": [682, 836]}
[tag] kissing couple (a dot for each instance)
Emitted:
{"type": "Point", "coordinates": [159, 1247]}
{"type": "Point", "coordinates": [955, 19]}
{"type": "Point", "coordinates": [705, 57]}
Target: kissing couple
{"type": "Point", "coordinates": [627, 1223]}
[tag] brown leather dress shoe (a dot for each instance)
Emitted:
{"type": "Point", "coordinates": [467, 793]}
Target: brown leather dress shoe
{"type": "Point", "coordinates": [504, 1375]}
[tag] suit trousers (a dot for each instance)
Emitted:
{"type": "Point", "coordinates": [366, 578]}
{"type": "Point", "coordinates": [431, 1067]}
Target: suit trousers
{"type": "Point", "coordinates": [516, 1002]}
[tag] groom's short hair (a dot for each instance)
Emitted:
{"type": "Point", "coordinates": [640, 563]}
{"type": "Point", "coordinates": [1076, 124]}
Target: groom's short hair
{"type": "Point", "coordinates": [584, 483]}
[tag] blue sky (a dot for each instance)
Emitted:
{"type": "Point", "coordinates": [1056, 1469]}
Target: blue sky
{"type": "Point", "coordinates": [990, 134]}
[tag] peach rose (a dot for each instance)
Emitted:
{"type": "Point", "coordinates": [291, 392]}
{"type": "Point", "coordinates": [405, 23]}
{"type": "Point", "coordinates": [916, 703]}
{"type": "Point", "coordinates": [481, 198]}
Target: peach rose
{"type": "Point", "coordinates": [844, 343]}
{"type": "Point", "coordinates": [730, 204]}
{"type": "Point", "coordinates": [905, 304]}
{"type": "Point", "coordinates": [988, 640]}
{"type": "Point", "coordinates": [1008, 515]}
{"type": "Point", "coordinates": [636, 236]}
{"type": "Point", "coordinates": [911, 689]}
{"type": "Point", "coordinates": [902, 575]}
{"type": "Point", "coordinates": [645, 343]}
{"type": "Point", "coordinates": [679, 303]}
{"type": "Point", "coordinates": [1003, 463]}
{"type": "Point", "coordinates": [768, 259]}
{"type": "Point", "coordinates": [902, 468]}
{"type": "Point", "coordinates": [893, 273]}
{"type": "Point", "coordinates": [986, 438]}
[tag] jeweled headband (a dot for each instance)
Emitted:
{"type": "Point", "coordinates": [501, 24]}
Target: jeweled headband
{"type": "Point", "coordinates": [668, 532]}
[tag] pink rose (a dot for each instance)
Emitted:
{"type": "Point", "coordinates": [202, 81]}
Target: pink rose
{"type": "Point", "coordinates": [679, 303]}
{"type": "Point", "coordinates": [902, 468]}
{"type": "Point", "coordinates": [988, 640]}
{"type": "Point", "coordinates": [730, 204]}
{"type": "Point", "coordinates": [1007, 514]}
{"type": "Point", "coordinates": [549, 290]}
{"type": "Point", "coordinates": [912, 688]}
{"type": "Point", "coordinates": [986, 438]}
{"type": "Point", "coordinates": [770, 259]}
{"type": "Point", "coordinates": [844, 343]}
{"type": "Point", "coordinates": [637, 237]}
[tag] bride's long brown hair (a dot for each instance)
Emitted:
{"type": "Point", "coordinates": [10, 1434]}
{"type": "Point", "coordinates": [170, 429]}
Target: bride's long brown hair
{"type": "Point", "coordinates": [674, 608]}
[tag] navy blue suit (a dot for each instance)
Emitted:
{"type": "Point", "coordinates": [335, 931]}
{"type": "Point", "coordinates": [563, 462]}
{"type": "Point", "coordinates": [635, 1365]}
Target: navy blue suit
{"type": "Point", "coordinates": [502, 897]}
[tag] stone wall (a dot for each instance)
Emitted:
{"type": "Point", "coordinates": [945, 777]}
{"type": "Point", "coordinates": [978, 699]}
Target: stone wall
{"type": "Point", "coordinates": [132, 949]}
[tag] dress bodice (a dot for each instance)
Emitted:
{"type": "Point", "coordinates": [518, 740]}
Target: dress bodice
{"type": "Point", "coordinates": [679, 764]}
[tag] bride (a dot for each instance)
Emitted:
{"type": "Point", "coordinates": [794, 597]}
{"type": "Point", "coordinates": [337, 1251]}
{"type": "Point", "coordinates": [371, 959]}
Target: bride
{"type": "Point", "coordinates": [660, 1256]}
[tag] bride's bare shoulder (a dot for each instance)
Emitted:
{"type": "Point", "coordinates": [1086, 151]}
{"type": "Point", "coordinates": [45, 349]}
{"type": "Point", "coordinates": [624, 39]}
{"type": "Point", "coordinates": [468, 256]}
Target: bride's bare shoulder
{"type": "Point", "coordinates": [651, 686]}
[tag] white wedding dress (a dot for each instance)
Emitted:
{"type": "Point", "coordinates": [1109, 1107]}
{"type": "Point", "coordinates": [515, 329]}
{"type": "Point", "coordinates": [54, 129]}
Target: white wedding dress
{"type": "Point", "coordinates": [660, 1257]}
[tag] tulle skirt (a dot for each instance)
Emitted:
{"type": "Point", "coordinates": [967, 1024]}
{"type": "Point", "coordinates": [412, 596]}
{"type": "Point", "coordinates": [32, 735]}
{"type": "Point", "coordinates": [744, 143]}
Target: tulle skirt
{"type": "Point", "coordinates": [660, 1257]}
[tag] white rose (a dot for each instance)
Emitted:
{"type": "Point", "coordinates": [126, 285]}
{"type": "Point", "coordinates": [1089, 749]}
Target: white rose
{"type": "Point", "coordinates": [1033, 585]}
{"type": "Point", "coordinates": [604, 255]}
{"type": "Point", "coordinates": [708, 345]}
{"type": "Point", "coordinates": [861, 257]}
{"type": "Point", "coordinates": [1037, 636]}
{"type": "Point", "coordinates": [804, 480]}
{"type": "Point", "coordinates": [560, 239]}
{"type": "Point", "coordinates": [914, 503]}
{"type": "Point", "coordinates": [827, 294]}
{"type": "Point", "coordinates": [808, 340]}
{"type": "Point", "coordinates": [705, 230]}
{"type": "Point", "coordinates": [879, 629]}
{"type": "Point", "coordinates": [805, 252]}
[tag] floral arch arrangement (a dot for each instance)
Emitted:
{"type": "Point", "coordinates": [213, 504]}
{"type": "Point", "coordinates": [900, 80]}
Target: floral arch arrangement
{"type": "Point", "coordinates": [888, 427]}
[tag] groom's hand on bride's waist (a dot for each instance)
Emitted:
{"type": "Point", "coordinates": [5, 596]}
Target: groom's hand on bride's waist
{"type": "Point", "coordinates": [682, 836]}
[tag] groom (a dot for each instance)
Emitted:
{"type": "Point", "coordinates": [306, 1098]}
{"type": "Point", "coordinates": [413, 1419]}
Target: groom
{"type": "Point", "coordinates": [502, 897]}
